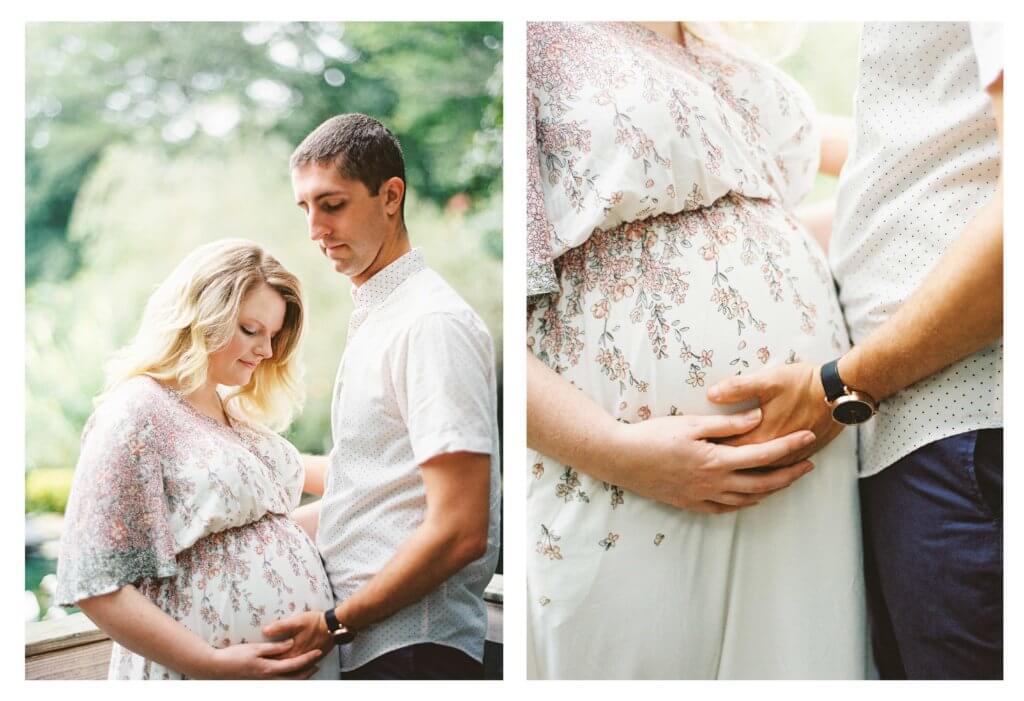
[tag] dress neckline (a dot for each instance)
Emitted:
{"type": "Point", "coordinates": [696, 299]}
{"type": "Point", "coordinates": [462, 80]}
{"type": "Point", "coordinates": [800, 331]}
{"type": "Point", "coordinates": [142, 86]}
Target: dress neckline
{"type": "Point", "coordinates": [183, 401]}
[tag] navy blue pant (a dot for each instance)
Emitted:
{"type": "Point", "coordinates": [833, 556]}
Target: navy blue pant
{"type": "Point", "coordinates": [422, 661]}
{"type": "Point", "coordinates": [933, 553]}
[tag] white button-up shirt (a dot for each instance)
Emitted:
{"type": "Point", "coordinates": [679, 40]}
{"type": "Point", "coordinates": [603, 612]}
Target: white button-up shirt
{"type": "Point", "coordinates": [417, 380]}
{"type": "Point", "coordinates": [925, 158]}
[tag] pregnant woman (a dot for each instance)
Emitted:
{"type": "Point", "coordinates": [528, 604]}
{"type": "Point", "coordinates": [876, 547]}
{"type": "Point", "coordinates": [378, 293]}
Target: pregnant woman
{"type": "Point", "coordinates": [663, 256]}
{"type": "Point", "coordinates": [177, 541]}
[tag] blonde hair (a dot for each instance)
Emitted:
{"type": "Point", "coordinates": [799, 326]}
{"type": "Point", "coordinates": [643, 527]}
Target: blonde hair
{"type": "Point", "coordinates": [194, 313]}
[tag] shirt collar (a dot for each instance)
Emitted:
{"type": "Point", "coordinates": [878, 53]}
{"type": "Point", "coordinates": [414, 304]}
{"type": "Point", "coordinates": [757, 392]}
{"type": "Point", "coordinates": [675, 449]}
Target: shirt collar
{"type": "Point", "coordinates": [375, 290]}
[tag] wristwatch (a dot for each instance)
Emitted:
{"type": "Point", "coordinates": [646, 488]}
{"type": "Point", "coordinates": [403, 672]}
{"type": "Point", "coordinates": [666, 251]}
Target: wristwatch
{"type": "Point", "coordinates": [849, 406]}
{"type": "Point", "coordinates": [337, 629]}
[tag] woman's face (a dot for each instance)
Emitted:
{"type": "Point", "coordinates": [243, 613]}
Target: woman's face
{"type": "Point", "coordinates": [259, 319]}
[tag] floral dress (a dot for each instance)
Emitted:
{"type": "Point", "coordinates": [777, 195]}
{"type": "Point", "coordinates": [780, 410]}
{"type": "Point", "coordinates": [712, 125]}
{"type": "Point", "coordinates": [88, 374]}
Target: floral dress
{"type": "Point", "coordinates": [663, 256]}
{"type": "Point", "coordinates": [195, 515]}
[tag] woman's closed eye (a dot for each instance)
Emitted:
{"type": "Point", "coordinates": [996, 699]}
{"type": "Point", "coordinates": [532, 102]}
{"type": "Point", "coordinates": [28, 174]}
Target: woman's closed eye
{"type": "Point", "coordinates": [247, 330]}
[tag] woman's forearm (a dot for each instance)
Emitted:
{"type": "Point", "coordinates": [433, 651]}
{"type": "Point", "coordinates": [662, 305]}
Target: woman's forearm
{"type": "Point", "coordinates": [138, 625]}
{"type": "Point", "coordinates": [836, 135]}
{"type": "Point", "coordinates": [565, 424]}
{"type": "Point", "coordinates": [315, 467]}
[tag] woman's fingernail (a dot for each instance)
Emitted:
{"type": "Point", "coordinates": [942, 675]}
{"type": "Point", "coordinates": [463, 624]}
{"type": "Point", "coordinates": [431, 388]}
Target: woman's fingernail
{"type": "Point", "coordinates": [808, 438]}
{"type": "Point", "coordinates": [754, 413]}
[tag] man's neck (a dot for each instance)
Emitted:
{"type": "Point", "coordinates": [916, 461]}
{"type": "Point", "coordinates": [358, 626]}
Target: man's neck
{"type": "Point", "coordinates": [391, 251]}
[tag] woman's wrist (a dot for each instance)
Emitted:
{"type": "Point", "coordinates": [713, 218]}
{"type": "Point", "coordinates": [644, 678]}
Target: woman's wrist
{"type": "Point", "coordinates": [202, 661]}
{"type": "Point", "coordinates": [610, 452]}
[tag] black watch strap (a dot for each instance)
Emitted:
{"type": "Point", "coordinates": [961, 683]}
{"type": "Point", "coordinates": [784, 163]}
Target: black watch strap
{"type": "Point", "coordinates": [341, 634]}
{"type": "Point", "coordinates": [332, 620]}
{"type": "Point", "coordinates": [834, 387]}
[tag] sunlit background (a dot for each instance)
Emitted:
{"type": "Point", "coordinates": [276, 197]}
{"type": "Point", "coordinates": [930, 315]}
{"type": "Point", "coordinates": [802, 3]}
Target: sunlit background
{"type": "Point", "coordinates": [146, 140]}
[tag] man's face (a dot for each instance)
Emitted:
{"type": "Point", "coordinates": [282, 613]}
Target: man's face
{"type": "Point", "coordinates": [348, 223]}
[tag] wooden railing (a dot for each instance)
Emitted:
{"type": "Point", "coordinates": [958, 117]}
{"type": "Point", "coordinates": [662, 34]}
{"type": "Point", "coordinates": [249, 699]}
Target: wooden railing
{"type": "Point", "coordinates": [74, 648]}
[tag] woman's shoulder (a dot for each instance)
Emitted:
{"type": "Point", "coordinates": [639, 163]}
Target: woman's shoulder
{"type": "Point", "coordinates": [132, 405]}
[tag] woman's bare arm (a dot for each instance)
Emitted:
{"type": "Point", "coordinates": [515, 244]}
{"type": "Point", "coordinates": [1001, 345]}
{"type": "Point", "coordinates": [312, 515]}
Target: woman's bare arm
{"type": "Point", "coordinates": [836, 137]}
{"type": "Point", "coordinates": [138, 625]}
{"type": "Point", "coordinates": [668, 459]}
{"type": "Point", "coordinates": [315, 467]}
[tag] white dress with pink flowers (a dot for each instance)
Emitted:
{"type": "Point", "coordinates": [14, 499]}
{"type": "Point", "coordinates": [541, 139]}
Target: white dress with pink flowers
{"type": "Point", "coordinates": [193, 514]}
{"type": "Point", "coordinates": [663, 256]}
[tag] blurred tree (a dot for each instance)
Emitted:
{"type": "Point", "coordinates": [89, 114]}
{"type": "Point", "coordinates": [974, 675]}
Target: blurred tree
{"type": "Point", "coordinates": [175, 85]}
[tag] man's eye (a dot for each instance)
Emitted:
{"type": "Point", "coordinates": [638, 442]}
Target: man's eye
{"type": "Point", "coordinates": [333, 206]}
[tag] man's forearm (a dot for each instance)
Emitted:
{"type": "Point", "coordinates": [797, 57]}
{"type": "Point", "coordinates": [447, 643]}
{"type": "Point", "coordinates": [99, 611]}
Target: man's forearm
{"type": "Point", "coordinates": [957, 310]}
{"type": "Point", "coordinates": [431, 555]}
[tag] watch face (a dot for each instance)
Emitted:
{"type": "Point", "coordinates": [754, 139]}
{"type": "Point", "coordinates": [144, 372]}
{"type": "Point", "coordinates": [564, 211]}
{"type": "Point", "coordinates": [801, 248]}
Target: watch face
{"type": "Point", "coordinates": [852, 411]}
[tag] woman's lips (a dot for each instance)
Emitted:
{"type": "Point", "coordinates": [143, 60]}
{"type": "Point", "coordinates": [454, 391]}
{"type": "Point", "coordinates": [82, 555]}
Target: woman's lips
{"type": "Point", "coordinates": [248, 364]}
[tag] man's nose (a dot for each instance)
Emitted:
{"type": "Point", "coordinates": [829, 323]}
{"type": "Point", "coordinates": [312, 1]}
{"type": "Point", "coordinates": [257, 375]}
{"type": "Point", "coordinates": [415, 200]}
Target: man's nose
{"type": "Point", "coordinates": [317, 228]}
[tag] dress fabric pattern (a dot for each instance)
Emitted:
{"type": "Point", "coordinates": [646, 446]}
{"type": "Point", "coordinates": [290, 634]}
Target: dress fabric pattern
{"type": "Point", "coordinates": [662, 257]}
{"type": "Point", "coordinates": [195, 515]}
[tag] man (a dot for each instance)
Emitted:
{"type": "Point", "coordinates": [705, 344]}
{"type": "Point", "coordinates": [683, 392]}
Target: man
{"type": "Point", "coordinates": [408, 526]}
{"type": "Point", "coordinates": [917, 255]}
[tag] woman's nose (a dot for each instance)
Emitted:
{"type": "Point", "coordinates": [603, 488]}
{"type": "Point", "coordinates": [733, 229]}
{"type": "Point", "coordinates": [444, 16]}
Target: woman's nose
{"type": "Point", "coordinates": [265, 348]}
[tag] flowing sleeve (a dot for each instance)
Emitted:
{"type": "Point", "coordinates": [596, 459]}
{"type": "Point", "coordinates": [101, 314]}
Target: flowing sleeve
{"type": "Point", "coordinates": [540, 234]}
{"type": "Point", "coordinates": [795, 142]}
{"type": "Point", "coordinates": [116, 527]}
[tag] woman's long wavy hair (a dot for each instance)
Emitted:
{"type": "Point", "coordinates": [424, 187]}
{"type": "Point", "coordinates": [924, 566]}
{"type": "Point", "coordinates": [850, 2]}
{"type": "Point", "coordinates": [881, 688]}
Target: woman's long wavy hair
{"type": "Point", "coordinates": [194, 313]}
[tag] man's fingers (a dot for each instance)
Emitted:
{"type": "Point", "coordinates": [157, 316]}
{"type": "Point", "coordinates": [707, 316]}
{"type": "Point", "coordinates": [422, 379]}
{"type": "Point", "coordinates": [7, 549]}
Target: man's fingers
{"type": "Point", "coordinates": [761, 454]}
{"type": "Point", "coordinates": [276, 648]}
{"type": "Point", "coordinates": [765, 483]}
{"type": "Point", "coordinates": [279, 627]}
{"type": "Point", "coordinates": [725, 425]}
{"type": "Point", "coordinates": [736, 389]}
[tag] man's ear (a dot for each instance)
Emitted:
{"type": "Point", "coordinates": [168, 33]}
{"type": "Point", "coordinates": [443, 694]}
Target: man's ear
{"type": "Point", "coordinates": [394, 190]}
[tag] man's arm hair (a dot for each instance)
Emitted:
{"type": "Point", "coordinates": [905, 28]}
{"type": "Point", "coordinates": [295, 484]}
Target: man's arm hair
{"type": "Point", "coordinates": [956, 311]}
{"type": "Point", "coordinates": [452, 535]}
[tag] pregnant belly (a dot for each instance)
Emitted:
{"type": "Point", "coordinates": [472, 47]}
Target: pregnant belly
{"type": "Point", "coordinates": [234, 582]}
{"type": "Point", "coordinates": [651, 313]}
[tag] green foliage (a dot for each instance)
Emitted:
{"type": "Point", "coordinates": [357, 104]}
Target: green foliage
{"type": "Point", "coordinates": [147, 140]}
{"type": "Point", "coordinates": [142, 211]}
{"type": "Point", "coordinates": [47, 489]}
{"type": "Point", "coordinates": [178, 86]}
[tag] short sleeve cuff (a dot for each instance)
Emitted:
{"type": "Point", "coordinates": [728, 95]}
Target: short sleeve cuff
{"type": "Point", "coordinates": [450, 442]}
{"type": "Point", "coordinates": [987, 38]}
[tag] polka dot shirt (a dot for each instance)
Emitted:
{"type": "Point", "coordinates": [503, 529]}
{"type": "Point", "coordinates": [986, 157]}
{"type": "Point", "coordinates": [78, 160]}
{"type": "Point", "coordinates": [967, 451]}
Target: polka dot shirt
{"type": "Point", "coordinates": [417, 380]}
{"type": "Point", "coordinates": [925, 158]}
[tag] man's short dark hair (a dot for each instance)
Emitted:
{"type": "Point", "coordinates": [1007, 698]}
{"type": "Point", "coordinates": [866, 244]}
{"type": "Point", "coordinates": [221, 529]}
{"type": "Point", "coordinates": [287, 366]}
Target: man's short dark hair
{"type": "Point", "coordinates": [359, 146]}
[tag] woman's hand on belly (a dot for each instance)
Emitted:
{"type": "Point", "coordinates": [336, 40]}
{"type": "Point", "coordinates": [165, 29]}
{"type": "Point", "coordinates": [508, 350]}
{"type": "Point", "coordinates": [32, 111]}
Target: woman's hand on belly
{"type": "Point", "coordinates": [671, 460]}
{"type": "Point", "coordinates": [792, 399]}
{"type": "Point", "coordinates": [257, 661]}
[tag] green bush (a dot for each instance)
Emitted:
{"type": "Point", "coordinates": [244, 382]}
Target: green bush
{"type": "Point", "coordinates": [47, 489]}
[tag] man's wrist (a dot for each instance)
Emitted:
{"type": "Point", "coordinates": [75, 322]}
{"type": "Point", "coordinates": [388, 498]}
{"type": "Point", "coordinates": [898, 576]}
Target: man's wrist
{"type": "Point", "coordinates": [850, 368]}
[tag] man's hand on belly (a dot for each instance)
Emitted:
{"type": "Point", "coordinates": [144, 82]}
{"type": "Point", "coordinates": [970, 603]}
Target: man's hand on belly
{"type": "Point", "coordinates": [308, 629]}
{"type": "Point", "coordinates": [791, 399]}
